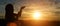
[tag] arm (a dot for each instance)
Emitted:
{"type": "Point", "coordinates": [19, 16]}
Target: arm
{"type": "Point", "coordinates": [20, 12]}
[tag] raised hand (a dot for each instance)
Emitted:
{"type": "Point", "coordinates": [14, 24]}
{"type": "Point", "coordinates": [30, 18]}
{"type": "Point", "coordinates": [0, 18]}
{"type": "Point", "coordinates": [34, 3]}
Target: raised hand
{"type": "Point", "coordinates": [22, 7]}
{"type": "Point", "coordinates": [20, 12]}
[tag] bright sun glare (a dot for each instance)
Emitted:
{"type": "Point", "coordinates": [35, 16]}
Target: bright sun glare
{"type": "Point", "coordinates": [36, 15]}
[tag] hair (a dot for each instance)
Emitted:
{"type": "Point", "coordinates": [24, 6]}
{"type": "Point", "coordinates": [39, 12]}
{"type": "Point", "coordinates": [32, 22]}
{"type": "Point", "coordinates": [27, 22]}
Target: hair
{"type": "Point", "coordinates": [9, 12]}
{"type": "Point", "coordinates": [9, 8]}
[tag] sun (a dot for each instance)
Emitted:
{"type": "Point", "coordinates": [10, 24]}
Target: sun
{"type": "Point", "coordinates": [36, 15]}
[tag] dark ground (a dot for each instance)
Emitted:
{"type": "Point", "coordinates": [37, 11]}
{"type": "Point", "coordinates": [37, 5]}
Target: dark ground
{"type": "Point", "coordinates": [33, 23]}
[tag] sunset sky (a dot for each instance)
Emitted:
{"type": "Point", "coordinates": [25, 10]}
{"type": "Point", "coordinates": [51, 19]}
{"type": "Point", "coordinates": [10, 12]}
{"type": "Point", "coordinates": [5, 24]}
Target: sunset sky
{"type": "Point", "coordinates": [49, 8]}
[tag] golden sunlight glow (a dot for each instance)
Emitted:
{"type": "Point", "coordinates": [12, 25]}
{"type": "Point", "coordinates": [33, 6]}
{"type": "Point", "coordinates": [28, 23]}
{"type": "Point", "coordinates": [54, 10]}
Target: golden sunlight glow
{"type": "Point", "coordinates": [36, 15]}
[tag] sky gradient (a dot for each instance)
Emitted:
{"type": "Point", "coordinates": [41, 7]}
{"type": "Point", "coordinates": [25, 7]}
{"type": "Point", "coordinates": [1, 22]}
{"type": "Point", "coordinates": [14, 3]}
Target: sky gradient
{"type": "Point", "coordinates": [50, 8]}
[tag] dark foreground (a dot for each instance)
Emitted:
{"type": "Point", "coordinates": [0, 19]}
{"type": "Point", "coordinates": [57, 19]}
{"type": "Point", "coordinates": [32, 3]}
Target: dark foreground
{"type": "Point", "coordinates": [31, 23]}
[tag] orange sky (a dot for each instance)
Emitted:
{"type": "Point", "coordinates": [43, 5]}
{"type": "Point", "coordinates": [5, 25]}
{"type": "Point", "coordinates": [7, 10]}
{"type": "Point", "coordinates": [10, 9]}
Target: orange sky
{"type": "Point", "coordinates": [47, 7]}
